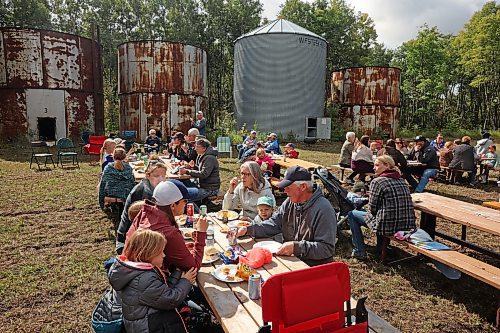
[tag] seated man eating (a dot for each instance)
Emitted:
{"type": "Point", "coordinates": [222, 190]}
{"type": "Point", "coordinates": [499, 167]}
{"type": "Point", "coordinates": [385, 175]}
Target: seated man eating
{"type": "Point", "coordinates": [306, 219]}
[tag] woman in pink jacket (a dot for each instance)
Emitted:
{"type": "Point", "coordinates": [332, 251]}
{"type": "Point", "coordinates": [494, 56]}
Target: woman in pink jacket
{"type": "Point", "coordinates": [265, 161]}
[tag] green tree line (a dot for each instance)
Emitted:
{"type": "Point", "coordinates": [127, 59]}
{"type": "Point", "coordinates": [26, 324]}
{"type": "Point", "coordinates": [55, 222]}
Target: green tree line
{"type": "Point", "coordinates": [447, 81]}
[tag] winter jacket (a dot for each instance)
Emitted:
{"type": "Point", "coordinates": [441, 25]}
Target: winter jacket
{"type": "Point", "coordinates": [482, 146]}
{"type": "Point", "coordinates": [390, 207]}
{"type": "Point", "coordinates": [249, 142]}
{"type": "Point", "coordinates": [143, 190]}
{"type": "Point", "coordinates": [463, 158]}
{"type": "Point", "coordinates": [346, 153]}
{"type": "Point", "coordinates": [115, 183]}
{"type": "Point", "coordinates": [148, 303]}
{"type": "Point", "coordinates": [436, 145]}
{"type": "Point", "coordinates": [312, 227]}
{"type": "Point", "coordinates": [176, 251]}
{"type": "Point", "coordinates": [246, 199]}
{"type": "Point", "coordinates": [200, 125]}
{"type": "Point", "coordinates": [151, 141]}
{"type": "Point", "coordinates": [396, 155]}
{"type": "Point", "coordinates": [267, 159]}
{"type": "Point", "coordinates": [207, 170]}
{"type": "Point", "coordinates": [273, 146]}
{"type": "Point", "coordinates": [292, 154]}
{"type": "Point", "coordinates": [445, 157]}
{"type": "Point", "coordinates": [426, 155]}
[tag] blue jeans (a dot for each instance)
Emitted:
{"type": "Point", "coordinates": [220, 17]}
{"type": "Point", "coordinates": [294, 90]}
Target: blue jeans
{"type": "Point", "coordinates": [428, 173]}
{"type": "Point", "coordinates": [356, 219]}
{"type": "Point", "coordinates": [203, 193]}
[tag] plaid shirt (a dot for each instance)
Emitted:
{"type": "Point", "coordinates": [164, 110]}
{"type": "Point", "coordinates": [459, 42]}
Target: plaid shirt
{"type": "Point", "coordinates": [390, 208]}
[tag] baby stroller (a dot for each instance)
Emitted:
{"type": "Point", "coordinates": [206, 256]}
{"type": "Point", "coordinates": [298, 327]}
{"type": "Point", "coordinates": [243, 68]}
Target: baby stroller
{"type": "Point", "coordinates": [335, 193]}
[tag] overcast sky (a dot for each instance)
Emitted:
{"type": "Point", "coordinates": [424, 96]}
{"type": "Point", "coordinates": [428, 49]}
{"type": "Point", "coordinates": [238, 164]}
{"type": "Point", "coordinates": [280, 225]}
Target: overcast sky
{"type": "Point", "coordinates": [397, 21]}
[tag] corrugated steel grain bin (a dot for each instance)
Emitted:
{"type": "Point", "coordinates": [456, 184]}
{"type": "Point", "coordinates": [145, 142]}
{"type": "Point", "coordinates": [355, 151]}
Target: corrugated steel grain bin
{"type": "Point", "coordinates": [161, 86]}
{"type": "Point", "coordinates": [279, 77]}
{"type": "Point", "coordinates": [50, 85]}
{"type": "Point", "coordinates": [370, 98]}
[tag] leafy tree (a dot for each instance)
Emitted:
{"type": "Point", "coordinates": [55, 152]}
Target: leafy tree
{"type": "Point", "coordinates": [25, 14]}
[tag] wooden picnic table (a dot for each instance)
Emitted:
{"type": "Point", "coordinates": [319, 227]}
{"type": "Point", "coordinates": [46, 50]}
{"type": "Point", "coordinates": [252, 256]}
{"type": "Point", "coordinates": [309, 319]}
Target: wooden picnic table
{"type": "Point", "coordinates": [464, 213]}
{"type": "Point", "coordinates": [294, 162]}
{"type": "Point", "coordinates": [230, 302]}
{"type": "Point", "coordinates": [168, 163]}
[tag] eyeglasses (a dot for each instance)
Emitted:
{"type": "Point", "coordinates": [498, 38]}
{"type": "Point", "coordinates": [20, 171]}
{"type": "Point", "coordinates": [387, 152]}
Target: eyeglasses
{"type": "Point", "coordinates": [398, 142]}
{"type": "Point", "coordinates": [245, 174]}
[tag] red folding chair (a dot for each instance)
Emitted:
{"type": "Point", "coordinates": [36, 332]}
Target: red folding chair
{"type": "Point", "coordinates": [310, 300]}
{"type": "Point", "coordinates": [94, 147]}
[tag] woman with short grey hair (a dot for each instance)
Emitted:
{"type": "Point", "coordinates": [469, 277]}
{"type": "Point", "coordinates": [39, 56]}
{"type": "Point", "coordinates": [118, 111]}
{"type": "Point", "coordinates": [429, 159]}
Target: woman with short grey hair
{"type": "Point", "coordinates": [346, 154]}
{"type": "Point", "coordinates": [245, 193]}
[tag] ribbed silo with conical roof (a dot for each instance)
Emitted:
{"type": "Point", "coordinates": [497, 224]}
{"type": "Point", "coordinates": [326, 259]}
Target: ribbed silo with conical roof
{"type": "Point", "coordinates": [279, 78]}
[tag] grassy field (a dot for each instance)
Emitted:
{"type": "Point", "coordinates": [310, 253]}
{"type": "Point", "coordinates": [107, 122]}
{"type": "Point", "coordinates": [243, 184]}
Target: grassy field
{"type": "Point", "coordinates": [54, 239]}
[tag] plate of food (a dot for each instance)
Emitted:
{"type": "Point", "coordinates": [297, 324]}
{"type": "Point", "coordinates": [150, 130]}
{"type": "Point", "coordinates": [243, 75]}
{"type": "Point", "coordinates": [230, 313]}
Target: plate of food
{"type": "Point", "coordinates": [238, 223]}
{"type": "Point", "coordinates": [187, 233]}
{"type": "Point", "coordinates": [227, 273]}
{"type": "Point", "coordinates": [231, 215]}
{"type": "Point", "coordinates": [210, 255]}
{"type": "Point", "coordinates": [272, 246]}
{"type": "Point", "coordinates": [139, 164]}
{"type": "Point", "coordinates": [181, 219]}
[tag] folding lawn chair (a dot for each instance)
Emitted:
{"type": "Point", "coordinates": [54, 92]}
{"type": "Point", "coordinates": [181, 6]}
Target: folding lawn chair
{"type": "Point", "coordinates": [39, 149]}
{"type": "Point", "coordinates": [224, 145]}
{"type": "Point", "coordinates": [311, 298]}
{"type": "Point", "coordinates": [94, 147]}
{"type": "Point", "coordinates": [66, 148]}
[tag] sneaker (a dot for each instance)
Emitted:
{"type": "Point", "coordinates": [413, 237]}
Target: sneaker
{"type": "Point", "coordinates": [358, 256]}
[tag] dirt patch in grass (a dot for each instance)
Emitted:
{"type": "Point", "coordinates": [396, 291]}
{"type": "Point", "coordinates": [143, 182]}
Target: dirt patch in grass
{"type": "Point", "coordinates": [54, 239]}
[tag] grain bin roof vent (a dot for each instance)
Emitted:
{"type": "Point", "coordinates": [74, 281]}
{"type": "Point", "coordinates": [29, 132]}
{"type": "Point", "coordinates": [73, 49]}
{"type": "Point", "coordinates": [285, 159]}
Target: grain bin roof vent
{"type": "Point", "coordinates": [280, 26]}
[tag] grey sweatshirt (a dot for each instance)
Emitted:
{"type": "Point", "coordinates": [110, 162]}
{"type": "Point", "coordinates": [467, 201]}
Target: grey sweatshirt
{"type": "Point", "coordinates": [246, 199]}
{"type": "Point", "coordinates": [312, 227]}
{"type": "Point", "coordinates": [207, 170]}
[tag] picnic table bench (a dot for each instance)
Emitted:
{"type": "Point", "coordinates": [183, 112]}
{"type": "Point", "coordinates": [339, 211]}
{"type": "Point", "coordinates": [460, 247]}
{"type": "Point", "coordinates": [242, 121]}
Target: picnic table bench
{"type": "Point", "coordinates": [466, 214]}
{"type": "Point", "coordinates": [230, 302]}
{"type": "Point", "coordinates": [343, 169]}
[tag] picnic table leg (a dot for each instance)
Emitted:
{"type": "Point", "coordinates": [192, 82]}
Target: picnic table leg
{"type": "Point", "coordinates": [428, 224]}
{"type": "Point", "coordinates": [464, 233]}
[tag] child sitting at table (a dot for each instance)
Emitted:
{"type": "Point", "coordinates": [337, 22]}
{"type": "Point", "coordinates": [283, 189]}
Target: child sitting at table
{"type": "Point", "coordinates": [148, 303]}
{"type": "Point", "coordinates": [265, 161]}
{"type": "Point", "coordinates": [290, 151]}
{"type": "Point", "coordinates": [491, 160]}
{"type": "Point", "coordinates": [265, 208]}
{"type": "Point", "coordinates": [107, 149]}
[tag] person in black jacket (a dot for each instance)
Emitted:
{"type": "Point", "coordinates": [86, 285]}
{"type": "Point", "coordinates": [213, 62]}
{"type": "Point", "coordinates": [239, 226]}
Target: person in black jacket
{"type": "Point", "coordinates": [424, 153]}
{"type": "Point", "coordinates": [399, 159]}
{"type": "Point", "coordinates": [464, 158]}
{"type": "Point", "coordinates": [152, 143]}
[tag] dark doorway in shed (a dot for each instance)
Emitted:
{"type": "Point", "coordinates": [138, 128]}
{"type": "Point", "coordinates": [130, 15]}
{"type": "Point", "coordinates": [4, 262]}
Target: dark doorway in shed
{"type": "Point", "coordinates": [47, 129]}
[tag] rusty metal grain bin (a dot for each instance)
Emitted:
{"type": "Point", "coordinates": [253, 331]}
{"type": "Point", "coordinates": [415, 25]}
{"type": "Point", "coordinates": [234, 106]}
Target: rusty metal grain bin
{"type": "Point", "coordinates": [370, 98]}
{"type": "Point", "coordinates": [50, 85]}
{"type": "Point", "coordinates": [161, 85]}
{"type": "Point", "coordinates": [279, 77]}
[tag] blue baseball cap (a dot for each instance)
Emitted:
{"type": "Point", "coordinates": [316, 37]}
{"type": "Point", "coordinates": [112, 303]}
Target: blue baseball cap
{"type": "Point", "coordinates": [188, 193]}
{"type": "Point", "coordinates": [293, 174]}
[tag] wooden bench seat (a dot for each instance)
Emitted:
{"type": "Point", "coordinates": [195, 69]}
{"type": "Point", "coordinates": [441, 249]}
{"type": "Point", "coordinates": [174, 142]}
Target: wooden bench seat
{"type": "Point", "coordinates": [459, 261]}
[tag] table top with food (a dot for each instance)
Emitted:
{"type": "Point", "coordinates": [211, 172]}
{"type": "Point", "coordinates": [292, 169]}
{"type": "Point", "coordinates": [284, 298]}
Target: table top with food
{"type": "Point", "coordinates": [139, 168]}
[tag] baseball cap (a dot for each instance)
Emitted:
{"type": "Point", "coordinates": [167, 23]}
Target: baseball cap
{"type": "Point", "coordinates": [291, 145]}
{"type": "Point", "coordinates": [253, 132]}
{"type": "Point", "coordinates": [420, 138]}
{"type": "Point", "coordinates": [293, 174]}
{"type": "Point", "coordinates": [268, 201]}
{"type": "Point", "coordinates": [187, 192]}
{"type": "Point", "coordinates": [166, 193]}
{"type": "Point", "coordinates": [118, 141]}
{"type": "Point", "coordinates": [274, 135]}
{"type": "Point", "coordinates": [358, 186]}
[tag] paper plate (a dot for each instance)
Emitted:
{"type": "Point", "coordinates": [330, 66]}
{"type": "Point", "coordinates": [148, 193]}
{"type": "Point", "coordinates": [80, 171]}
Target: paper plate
{"type": "Point", "coordinates": [219, 273]}
{"type": "Point", "coordinates": [238, 224]}
{"type": "Point", "coordinates": [231, 215]}
{"type": "Point", "coordinates": [272, 246]}
{"type": "Point", "coordinates": [181, 219]}
{"type": "Point", "coordinates": [187, 233]}
{"type": "Point", "coordinates": [208, 259]}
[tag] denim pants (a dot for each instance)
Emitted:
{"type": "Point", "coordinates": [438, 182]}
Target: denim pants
{"type": "Point", "coordinates": [203, 193]}
{"type": "Point", "coordinates": [428, 173]}
{"type": "Point", "coordinates": [356, 219]}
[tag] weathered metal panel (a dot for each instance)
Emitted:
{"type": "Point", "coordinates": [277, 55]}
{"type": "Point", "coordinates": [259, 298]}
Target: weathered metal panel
{"type": "Point", "coordinates": [130, 109]}
{"type": "Point", "coordinates": [366, 86]}
{"type": "Point", "coordinates": [13, 113]}
{"type": "Point", "coordinates": [3, 69]}
{"type": "Point", "coordinates": [23, 58]}
{"type": "Point", "coordinates": [46, 103]}
{"type": "Point", "coordinates": [279, 79]}
{"type": "Point", "coordinates": [182, 107]}
{"type": "Point", "coordinates": [61, 65]}
{"type": "Point", "coordinates": [371, 119]}
{"type": "Point", "coordinates": [80, 108]}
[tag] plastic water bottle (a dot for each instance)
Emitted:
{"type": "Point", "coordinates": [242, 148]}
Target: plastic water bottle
{"type": "Point", "coordinates": [210, 241]}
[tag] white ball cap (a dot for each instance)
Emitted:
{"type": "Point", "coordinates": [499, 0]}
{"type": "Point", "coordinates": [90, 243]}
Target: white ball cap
{"type": "Point", "coordinates": [166, 194]}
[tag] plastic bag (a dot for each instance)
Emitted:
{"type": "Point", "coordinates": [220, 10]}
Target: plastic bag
{"type": "Point", "coordinates": [257, 257]}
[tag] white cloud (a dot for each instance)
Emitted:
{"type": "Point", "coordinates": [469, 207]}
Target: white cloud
{"type": "Point", "coordinates": [397, 21]}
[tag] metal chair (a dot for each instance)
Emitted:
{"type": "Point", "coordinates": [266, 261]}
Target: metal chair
{"type": "Point", "coordinates": [39, 149]}
{"type": "Point", "coordinates": [66, 148]}
{"type": "Point", "coordinates": [224, 145]}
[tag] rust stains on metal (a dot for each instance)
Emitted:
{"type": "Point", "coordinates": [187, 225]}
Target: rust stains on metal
{"type": "Point", "coordinates": [371, 119]}
{"type": "Point", "coordinates": [42, 59]}
{"type": "Point", "coordinates": [161, 85]}
{"type": "Point", "coordinates": [13, 113]}
{"type": "Point", "coordinates": [367, 86]}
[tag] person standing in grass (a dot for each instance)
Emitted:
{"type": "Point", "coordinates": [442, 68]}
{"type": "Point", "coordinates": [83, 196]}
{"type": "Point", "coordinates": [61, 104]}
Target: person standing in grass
{"type": "Point", "coordinates": [148, 303]}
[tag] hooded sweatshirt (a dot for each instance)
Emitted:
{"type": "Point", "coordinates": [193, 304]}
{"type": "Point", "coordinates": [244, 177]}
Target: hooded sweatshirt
{"type": "Point", "coordinates": [148, 304]}
{"type": "Point", "coordinates": [207, 170]}
{"type": "Point", "coordinates": [312, 227]}
{"type": "Point", "coordinates": [115, 183]}
{"type": "Point", "coordinates": [177, 252]}
{"type": "Point", "coordinates": [246, 199]}
{"type": "Point", "coordinates": [483, 145]}
{"type": "Point", "coordinates": [390, 207]}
